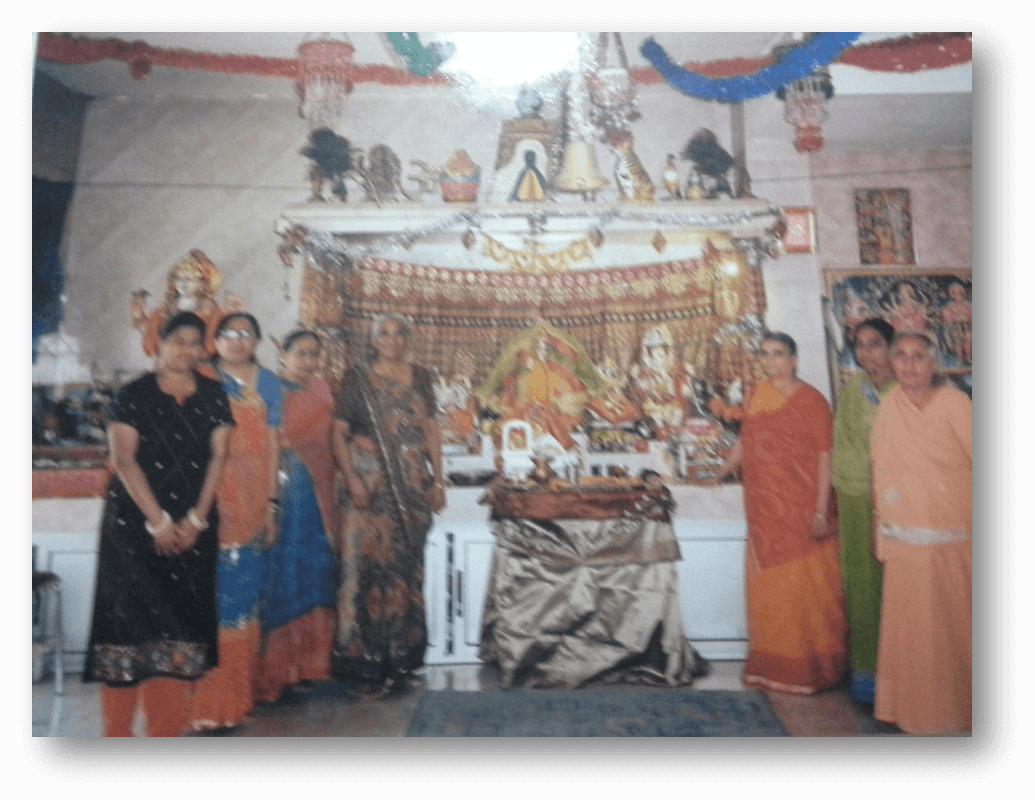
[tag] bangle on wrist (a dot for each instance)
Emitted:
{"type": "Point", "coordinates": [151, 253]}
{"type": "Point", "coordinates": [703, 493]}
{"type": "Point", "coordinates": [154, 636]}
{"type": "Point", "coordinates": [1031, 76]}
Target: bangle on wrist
{"type": "Point", "coordinates": [197, 523]}
{"type": "Point", "coordinates": [161, 527]}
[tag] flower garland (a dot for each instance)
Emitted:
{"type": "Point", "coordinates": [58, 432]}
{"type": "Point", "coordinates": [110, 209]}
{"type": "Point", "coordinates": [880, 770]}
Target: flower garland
{"type": "Point", "coordinates": [818, 51]}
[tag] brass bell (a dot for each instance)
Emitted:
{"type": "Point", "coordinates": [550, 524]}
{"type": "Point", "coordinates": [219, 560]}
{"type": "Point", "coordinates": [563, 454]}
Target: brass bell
{"type": "Point", "coordinates": [579, 172]}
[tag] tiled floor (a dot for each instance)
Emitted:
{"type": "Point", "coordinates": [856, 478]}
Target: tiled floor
{"type": "Point", "coordinates": [329, 710]}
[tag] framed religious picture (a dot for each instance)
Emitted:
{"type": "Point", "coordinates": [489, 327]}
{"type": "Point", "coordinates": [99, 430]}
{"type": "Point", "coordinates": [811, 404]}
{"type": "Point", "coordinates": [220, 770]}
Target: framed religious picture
{"type": "Point", "coordinates": [800, 236]}
{"type": "Point", "coordinates": [885, 221]}
{"type": "Point", "coordinates": [935, 301]}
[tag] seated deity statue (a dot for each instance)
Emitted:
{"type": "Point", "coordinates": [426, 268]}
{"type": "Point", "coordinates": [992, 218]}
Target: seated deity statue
{"type": "Point", "coordinates": [543, 376]}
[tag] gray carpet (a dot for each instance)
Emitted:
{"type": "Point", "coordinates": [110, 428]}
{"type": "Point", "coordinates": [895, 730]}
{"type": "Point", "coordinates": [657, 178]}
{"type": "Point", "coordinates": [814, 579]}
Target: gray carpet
{"type": "Point", "coordinates": [594, 712]}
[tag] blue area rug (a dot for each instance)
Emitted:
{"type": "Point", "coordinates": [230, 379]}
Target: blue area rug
{"type": "Point", "coordinates": [593, 712]}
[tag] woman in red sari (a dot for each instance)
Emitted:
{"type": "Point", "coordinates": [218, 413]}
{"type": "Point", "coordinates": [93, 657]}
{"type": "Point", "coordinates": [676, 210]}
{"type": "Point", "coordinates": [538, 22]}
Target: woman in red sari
{"type": "Point", "coordinates": [795, 606]}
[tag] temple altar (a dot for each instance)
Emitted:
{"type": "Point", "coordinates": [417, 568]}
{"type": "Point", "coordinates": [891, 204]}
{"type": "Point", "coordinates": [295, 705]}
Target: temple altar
{"type": "Point", "coordinates": [658, 305]}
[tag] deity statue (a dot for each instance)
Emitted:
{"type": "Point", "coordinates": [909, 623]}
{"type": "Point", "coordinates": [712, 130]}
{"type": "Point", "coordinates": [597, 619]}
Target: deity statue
{"type": "Point", "coordinates": [190, 285]}
{"type": "Point", "coordinates": [457, 405]}
{"type": "Point", "coordinates": [543, 376]}
{"type": "Point", "coordinates": [658, 382]}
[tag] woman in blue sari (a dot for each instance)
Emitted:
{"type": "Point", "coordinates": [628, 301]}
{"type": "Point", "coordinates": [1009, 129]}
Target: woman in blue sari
{"type": "Point", "coordinates": [300, 571]}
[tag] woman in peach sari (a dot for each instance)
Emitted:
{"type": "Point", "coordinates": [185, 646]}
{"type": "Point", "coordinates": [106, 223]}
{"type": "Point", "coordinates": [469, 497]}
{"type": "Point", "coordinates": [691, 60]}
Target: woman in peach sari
{"type": "Point", "coordinates": [797, 638]}
{"type": "Point", "coordinates": [921, 454]}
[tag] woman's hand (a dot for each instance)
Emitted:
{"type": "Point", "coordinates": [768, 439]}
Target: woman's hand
{"type": "Point", "coordinates": [716, 479]}
{"type": "Point", "coordinates": [359, 494]}
{"type": "Point", "coordinates": [269, 532]}
{"type": "Point", "coordinates": [437, 497]}
{"type": "Point", "coordinates": [167, 542]}
{"type": "Point", "coordinates": [187, 534]}
{"type": "Point", "coordinates": [819, 525]}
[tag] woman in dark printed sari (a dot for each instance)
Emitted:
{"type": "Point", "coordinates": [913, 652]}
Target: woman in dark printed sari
{"type": "Point", "coordinates": [394, 480]}
{"type": "Point", "coordinates": [154, 620]}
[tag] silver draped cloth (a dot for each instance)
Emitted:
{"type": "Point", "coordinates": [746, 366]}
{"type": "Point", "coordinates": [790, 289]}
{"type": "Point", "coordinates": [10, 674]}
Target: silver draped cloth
{"type": "Point", "coordinates": [591, 596]}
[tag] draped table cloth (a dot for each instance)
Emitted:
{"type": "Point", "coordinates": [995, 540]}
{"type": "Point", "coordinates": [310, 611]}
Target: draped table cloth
{"type": "Point", "coordinates": [583, 586]}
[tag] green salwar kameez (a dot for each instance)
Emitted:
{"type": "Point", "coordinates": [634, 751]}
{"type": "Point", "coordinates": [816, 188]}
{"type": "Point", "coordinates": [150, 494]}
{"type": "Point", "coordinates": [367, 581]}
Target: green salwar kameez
{"type": "Point", "coordinates": [862, 573]}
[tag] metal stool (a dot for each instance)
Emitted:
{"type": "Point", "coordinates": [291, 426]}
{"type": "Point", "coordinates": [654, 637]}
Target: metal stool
{"type": "Point", "coordinates": [46, 586]}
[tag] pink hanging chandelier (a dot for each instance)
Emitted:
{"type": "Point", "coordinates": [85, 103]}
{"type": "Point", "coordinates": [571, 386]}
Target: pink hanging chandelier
{"type": "Point", "coordinates": [805, 105]}
{"type": "Point", "coordinates": [324, 82]}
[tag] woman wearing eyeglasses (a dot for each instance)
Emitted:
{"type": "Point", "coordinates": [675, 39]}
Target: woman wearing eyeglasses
{"type": "Point", "coordinates": [247, 503]}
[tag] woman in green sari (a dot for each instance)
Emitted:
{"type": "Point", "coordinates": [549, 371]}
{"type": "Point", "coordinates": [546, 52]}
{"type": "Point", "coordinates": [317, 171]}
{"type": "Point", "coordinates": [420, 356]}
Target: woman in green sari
{"type": "Point", "coordinates": [862, 573]}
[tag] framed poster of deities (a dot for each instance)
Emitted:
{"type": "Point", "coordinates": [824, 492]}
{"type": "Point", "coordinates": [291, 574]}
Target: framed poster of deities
{"type": "Point", "coordinates": [935, 301]}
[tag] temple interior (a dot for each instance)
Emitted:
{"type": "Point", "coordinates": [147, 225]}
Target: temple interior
{"type": "Point", "coordinates": [587, 251]}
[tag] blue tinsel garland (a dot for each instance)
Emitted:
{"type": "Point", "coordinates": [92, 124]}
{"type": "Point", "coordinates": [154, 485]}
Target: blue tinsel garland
{"type": "Point", "coordinates": [818, 51]}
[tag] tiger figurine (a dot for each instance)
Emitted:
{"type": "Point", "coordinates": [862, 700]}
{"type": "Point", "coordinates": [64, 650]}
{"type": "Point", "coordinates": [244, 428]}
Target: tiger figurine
{"type": "Point", "coordinates": [634, 184]}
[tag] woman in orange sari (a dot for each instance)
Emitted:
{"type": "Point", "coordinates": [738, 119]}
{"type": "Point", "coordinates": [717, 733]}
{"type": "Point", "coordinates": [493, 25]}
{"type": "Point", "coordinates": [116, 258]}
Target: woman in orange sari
{"type": "Point", "coordinates": [921, 455]}
{"type": "Point", "coordinates": [247, 501]}
{"type": "Point", "coordinates": [797, 635]}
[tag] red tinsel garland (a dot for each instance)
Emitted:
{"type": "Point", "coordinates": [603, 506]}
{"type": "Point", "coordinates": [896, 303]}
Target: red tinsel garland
{"type": "Point", "coordinates": [907, 54]}
{"type": "Point", "coordinates": [911, 53]}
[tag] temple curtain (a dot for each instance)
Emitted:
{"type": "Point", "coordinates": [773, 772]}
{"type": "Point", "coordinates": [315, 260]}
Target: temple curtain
{"type": "Point", "coordinates": [462, 319]}
{"type": "Point", "coordinates": [50, 202]}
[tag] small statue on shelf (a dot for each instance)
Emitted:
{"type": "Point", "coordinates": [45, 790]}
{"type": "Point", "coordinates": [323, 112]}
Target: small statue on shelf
{"type": "Point", "coordinates": [332, 159]}
{"type": "Point", "coordinates": [711, 162]}
{"type": "Point", "coordinates": [377, 172]}
{"type": "Point", "coordinates": [634, 184]}
{"type": "Point", "coordinates": [670, 178]}
{"type": "Point", "coordinates": [530, 184]}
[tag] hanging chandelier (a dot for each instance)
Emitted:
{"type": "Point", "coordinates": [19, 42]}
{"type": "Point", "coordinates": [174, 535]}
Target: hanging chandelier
{"type": "Point", "coordinates": [610, 86]}
{"type": "Point", "coordinates": [805, 103]}
{"type": "Point", "coordinates": [324, 61]}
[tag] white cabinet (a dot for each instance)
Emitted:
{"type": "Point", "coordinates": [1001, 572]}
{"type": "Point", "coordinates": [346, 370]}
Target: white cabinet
{"type": "Point", "coordinates": [456, 569]}
{"type": "Point", "coordinates": [711, 574]}
{"type": "Point", "coordinates": [457, 559]}
{"type": "Point", "coordinates": [711, 586]}
{"type": "Point", "coordinates": [65, 535]}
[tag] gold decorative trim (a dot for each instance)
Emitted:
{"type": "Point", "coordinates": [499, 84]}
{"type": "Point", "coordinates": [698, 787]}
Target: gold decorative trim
{"type": "Point", "coordinates": [538, 263]}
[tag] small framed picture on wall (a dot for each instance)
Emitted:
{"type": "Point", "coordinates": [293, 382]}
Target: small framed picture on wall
{"type": "Point", "coordinates": [885, 221]}
{"type": "Point", "coordinates": [800, 236]}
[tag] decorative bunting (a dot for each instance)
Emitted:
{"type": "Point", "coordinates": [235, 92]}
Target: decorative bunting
{"type": "Point", "coordinates": [818, 51]}
{"type": "Point", "coordinates": [907, 54]}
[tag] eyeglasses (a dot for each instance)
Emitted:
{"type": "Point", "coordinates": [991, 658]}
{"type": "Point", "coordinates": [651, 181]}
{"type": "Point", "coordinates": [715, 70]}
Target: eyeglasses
{"type": "Point", "coordinates": [232, 334]}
